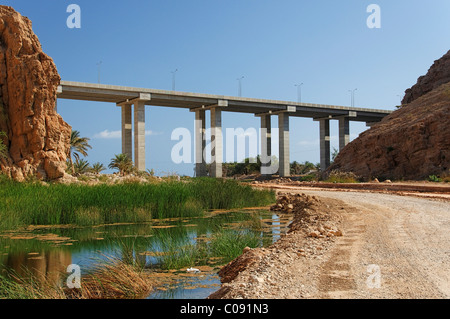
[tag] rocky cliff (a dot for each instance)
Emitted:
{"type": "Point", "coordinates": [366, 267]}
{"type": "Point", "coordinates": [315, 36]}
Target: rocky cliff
{"type": "Point", "coordinates": [438, 74]}
{"type": "Point", "coordinates": [38, 138]}
{"type": "Point", "coordinates": [412, 142]}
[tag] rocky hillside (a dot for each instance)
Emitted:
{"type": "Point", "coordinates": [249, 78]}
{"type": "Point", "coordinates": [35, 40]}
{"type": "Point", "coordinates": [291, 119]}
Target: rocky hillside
{"type": "Point", "coordinates": [438, 74]}
{"type": "Point", "coordinates": [411, 143]}
{"type": "Point", "coordinates": [37, 137]}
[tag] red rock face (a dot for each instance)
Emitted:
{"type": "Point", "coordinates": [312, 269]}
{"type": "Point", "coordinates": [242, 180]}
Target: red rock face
{"type": "Point", "coordinates": [38, 138]}
{"type": "Point", "coordinates": [438, 74]}
{"type": "Point", "coordinates": [411, 143]}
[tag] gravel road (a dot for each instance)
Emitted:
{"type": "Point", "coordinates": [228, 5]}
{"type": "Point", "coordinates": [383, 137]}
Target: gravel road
{"type": "Point", "coordinates": [395, 247]}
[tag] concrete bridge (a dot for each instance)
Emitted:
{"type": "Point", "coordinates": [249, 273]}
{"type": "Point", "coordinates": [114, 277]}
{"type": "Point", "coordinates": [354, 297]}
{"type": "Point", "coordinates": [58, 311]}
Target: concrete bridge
{"type": "Point", "coordinates": [127, 97]}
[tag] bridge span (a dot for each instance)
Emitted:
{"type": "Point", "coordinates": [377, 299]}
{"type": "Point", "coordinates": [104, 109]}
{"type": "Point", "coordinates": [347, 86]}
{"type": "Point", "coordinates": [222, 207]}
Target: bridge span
{"type": "Point", "coordinates": [134, 100]}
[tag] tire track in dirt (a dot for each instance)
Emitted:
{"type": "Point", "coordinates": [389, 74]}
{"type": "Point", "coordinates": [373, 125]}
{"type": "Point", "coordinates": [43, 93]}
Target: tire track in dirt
{"type": "Point", "coordinates": [404, 238]}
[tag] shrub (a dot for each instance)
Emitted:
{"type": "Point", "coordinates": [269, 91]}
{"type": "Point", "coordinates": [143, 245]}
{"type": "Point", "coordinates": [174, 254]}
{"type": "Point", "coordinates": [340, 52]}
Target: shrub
{"type": "Point", "coordinates": [337, 176]}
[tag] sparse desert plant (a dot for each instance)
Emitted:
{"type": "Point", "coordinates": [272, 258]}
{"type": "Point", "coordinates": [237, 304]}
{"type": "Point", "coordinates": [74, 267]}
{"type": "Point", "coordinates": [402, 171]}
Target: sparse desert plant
{"type": "Point", "coordinates": [103, 178]}
{"type": "Point", "coordinates": [337, 176]}
{"type": "Point", "coordinates": [434, 178]}
{"type": "Point", "coordinates": [151, 172]}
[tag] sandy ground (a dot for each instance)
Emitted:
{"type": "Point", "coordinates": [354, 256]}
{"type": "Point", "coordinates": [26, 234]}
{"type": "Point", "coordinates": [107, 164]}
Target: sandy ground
{"type": "Point", "coordinates": [393, 246]}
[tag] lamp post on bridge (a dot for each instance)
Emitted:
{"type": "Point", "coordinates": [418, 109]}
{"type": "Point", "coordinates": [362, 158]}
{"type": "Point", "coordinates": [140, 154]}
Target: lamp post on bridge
{"type": "Point", "coordinates": [240, 86]}
{"type": "Point", "coordinates": [353, 96]}
{"type": "Point", "coordinates": [299, 92]}
{"type": "Point", "coordinates": [98, 71]}
{"type": "Point", "coordinates": [174, 79]}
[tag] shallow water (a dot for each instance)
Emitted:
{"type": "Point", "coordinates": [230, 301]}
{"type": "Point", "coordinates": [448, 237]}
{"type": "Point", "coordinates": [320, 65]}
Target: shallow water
{"type": "Point", "coordinates": [47, 251]}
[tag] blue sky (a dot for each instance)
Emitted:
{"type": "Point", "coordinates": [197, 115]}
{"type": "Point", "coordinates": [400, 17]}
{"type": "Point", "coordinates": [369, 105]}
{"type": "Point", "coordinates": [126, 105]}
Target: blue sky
{"type": "Point", "coordinates": [324, 44]}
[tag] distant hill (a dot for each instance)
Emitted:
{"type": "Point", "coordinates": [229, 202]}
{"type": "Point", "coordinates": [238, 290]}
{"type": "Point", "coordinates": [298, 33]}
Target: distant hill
{"type": "Point", "coordinates": [413, 142]}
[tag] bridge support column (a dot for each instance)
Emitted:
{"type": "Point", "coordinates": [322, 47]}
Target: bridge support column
{"type": "Point", "coordinates": [344, 132]}
{"type": "Point", "coordinates": [216, 142]}
{"type": "Point", "coordinates": [200, 143]}
{"type": "Point", "coordinates": [324, 144]}
{"type": "Point", "coordinates": [266, 145]}
{"type": "Point", "coordinates": [139, 135]}
{"type": "Point", "coordinates": [139, 130]}
{"type": "Point", "coordinates": [127, 134]}
{"type": "Point", "coordinates": [283, 125]}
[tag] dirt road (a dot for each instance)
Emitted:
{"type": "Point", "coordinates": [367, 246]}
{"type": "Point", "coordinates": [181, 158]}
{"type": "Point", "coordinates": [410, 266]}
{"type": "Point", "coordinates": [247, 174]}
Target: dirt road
{"type": "Point", "coordinates": [393, 247]}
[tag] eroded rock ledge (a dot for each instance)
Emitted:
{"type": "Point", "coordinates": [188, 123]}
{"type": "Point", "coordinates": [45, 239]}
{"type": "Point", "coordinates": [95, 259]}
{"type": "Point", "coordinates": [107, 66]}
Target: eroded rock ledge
{"type": "Point", "coordinates": [37, 137]}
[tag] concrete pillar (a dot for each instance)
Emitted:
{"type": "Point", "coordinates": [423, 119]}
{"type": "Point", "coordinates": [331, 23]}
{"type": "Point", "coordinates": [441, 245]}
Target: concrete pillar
{"type": "Point", "coordinates": [344, 132]}
{"type": "Point", "coordinates": [266, 145]}
{"type": "Point", "coordinates": [200, 143]}
{"type": "Point", "coordinates": [127, 128]}
{"type": "Point", "coordinates": [283, 125]}
{"type": "Point", "coordinates": [324, 144]}
{"type": "Point", "coordinates": [216, 142]}
{"type": "Point", "coordinates": [139, 135]}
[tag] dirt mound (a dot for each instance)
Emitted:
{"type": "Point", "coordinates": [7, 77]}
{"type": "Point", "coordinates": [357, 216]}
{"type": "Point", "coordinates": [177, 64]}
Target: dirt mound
{"type": "Point", "coordinates": [411, 143]}
{"type": "Point", "coordinates": [37, 137]}
{"type": "Point", "coordinates": [313, 229]}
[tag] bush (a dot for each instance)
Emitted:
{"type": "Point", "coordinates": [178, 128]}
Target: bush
{"type": "Point", "coordinates": [434, 178]}
{"type": "Point", "coordinates": [337, 176]}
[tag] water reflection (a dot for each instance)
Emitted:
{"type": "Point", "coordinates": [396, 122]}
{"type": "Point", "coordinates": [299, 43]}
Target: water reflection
{"type": "Point", "coordinates": [46, 252]}
{"type": "Point", "coordinates": [44, 266]}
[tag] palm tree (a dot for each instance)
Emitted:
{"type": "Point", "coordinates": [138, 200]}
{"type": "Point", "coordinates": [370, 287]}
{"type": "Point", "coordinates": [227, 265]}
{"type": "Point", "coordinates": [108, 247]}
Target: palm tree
{"type": "Point", "coordinates": [123, 163]}
{"type": "Point", "coordinates": [3, 148]}
{"type": "Point", "coordinates": [97, 168]}
{"type": "Point", "coordinates": [80, 166]}
{"type": "Point", "coordinates": [78, 145]}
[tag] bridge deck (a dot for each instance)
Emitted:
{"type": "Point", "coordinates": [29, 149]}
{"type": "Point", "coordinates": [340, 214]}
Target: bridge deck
{"type": "Point", "coordinates": [118, 94]}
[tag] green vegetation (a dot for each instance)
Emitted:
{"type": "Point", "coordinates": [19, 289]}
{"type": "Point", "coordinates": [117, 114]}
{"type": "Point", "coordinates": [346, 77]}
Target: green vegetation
{"type": "Point", "coordinates": [3, 148]}
{"type": "Point", "coordinates": [111, 278]}
{"type": "Point", "coordinates": [229, 244]}
{"type": "Point", "coordinates": [445, 177]}
{"type": "Point", "coordinates": [305, 168]}
{"type": "Point", "coordinates": [97, 168]}
{"type": "Point", "coordinates": [247, 167]}
{"type": "Point", "coordinates": [36, 204]}
{"type": "Point", "coordinates": [122, 163]}
{"type": "Point", "coordinates": [78, 145]}
{"type": "Point", "coordinates": [434, 178]}
{"type": "Point", "coordinates": [341, 177]}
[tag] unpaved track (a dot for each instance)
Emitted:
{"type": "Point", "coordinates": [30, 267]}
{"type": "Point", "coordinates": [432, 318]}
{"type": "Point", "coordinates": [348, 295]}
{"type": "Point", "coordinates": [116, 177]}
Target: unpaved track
{"type": "Point", "coordinates": [403, 241]}
{"type": "Point", "coordinates": [393, 246]}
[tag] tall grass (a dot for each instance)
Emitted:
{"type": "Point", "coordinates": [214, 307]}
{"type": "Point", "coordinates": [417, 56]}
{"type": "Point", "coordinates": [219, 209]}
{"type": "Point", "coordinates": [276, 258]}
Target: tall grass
{"type": "Point", "coordinates": [229, 244]}
{"type": "Point", "coordinates": [110, 279]}
{"type": "Point", "coordinates": [35, 204]}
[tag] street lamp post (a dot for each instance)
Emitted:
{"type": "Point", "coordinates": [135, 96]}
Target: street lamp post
{"type": "Point", "coordinates": [299, 92]}
{"type": "Point", "coordinates": [98, 71]}
{"type": "Point", "coordinates": [240, 86]}
{"type": "Point", "coordinates": [353, 96]}
{"type": "Point", "coordinates": [174, 79]}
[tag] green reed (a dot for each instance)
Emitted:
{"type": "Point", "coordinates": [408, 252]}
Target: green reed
{"type": "Point", "coordinates": [24, 204]}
